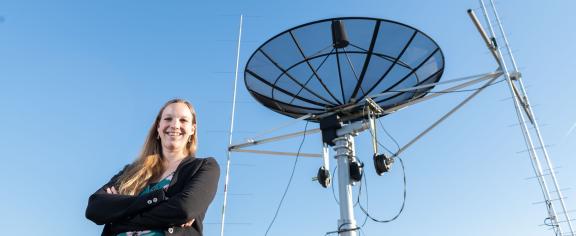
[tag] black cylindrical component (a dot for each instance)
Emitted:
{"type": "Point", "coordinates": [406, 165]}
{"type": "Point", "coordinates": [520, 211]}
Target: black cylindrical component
{"type": "Point", "coordinates": [356, 170]}
{"type": "Point", "coordinates": [323, 177]}
{"type": "Point", "coordinates": [339, 36]}
{"type": "Point", "coordinates": [382, 163]}
{"type": "Point", "coordinates": [329, 125]}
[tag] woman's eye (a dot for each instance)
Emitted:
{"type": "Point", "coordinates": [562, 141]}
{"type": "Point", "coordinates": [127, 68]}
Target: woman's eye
{"type": "Point", "coordinates": [183, 120]}
{"type": "Point", "coordinates": [168, 118]}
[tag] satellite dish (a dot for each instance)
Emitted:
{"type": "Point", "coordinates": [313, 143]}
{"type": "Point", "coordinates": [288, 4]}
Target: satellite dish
{"type": "Point", "coordinates": [329, 71]}
{"type": "Point", "coordinates": [331, 65]}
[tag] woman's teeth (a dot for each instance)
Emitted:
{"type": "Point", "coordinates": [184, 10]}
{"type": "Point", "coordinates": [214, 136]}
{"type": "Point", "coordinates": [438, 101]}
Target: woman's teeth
{"type": "Point", "coordinates": [173, 134]}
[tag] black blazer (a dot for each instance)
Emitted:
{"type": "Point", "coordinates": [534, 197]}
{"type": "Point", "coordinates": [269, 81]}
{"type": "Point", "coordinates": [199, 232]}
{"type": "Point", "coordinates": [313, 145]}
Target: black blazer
{"type": "Point", "coordinates": [188, 196]}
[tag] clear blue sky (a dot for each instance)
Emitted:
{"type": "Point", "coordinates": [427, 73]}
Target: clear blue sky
{"type": "Point", "coordinates": [81, 81]}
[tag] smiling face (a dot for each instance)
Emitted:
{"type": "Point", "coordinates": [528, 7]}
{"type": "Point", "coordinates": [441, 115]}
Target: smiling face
{"type": "Point", "coordinates": [176, 127]}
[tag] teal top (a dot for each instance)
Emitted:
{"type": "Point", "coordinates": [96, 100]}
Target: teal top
{"type": "Point", "coordinates": [163, 184]}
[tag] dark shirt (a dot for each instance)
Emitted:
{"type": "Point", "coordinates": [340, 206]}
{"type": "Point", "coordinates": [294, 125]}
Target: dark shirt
{"type": "Point", "coordinates": [188, 196]}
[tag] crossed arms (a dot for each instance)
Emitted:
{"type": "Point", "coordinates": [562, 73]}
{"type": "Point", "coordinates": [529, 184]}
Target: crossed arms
{"type": "Point", "coordinates": [156, 210]}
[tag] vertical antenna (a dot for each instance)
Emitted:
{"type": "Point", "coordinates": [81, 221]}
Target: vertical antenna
{"type": "Point", "coordinates": [228, 154]}
{"type": "Point", "coordinates": [521, 104]}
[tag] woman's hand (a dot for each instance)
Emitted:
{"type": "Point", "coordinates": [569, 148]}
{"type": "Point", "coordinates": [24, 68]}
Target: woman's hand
{"type": "Point", "coordinates": [188, 224]}
{"type": "Point", "coordinates": [111, 190]}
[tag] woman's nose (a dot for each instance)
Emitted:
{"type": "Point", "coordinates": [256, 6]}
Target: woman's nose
{"type": "Point", "coordinates": [175, 124]}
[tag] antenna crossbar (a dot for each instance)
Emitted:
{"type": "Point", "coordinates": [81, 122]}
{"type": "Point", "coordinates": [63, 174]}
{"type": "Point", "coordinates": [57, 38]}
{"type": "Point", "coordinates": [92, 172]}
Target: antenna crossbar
{"type": "Point", "coordinates": [273, 139]}
{"type": "Point", "coordinates": [279, 153]}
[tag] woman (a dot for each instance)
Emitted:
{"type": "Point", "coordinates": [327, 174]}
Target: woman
{"type": "Point", "coordinates": [167, 190]}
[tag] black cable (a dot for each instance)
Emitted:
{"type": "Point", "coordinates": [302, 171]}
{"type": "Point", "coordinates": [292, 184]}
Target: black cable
{"type": "Point", "coordinates": [366, 108]}
{"type": "Point", "coordinates": [548, 222]}
{"type": "Point", "coordinates": [334, 193]}
{"type": "Point", "coordinates": [364, 210]}
{"type": "Point", "coordinates": [342, 225]}
{"type": "Point", "coordinates": [332, 186]}
{"type": "Point", "coordinates": [362, 231]}
{"type": "Point", "coordinates": [290, 180]}
{"type": "Point", "coordinates": [390, 136]}
{"type": "Point", "coordinates": [360, 193]}
{"type": "Point", "coordinates": [340, 230]}
{"type": "Point", "coordinates": [403, 200]}
{"type": "Point", "coordinates": [365, 179]}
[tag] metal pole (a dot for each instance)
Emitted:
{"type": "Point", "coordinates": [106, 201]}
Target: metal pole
{"type": "Point", "coordinates": [300, 154]}
{"type": "Point", "coordinates": [344, 147]}
{"type": "Point", "coordinates": [228, 154]}
{"type": "Point", "coordinates": [535, 123]}
{"type": "Point", "coordinates": [427, 97]}
{"type": "Point", "coordinates": [343, 152]}
{"type": "Point", "coordinates": [480, 29]}
{"type": "Point", "coordinates": [272, 139]}
{"type": "Point", "coordinates": [401, 150]}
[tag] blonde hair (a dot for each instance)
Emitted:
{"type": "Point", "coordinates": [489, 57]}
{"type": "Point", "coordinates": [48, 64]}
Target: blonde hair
{"type": "Point", "coordinates": [148, 166]}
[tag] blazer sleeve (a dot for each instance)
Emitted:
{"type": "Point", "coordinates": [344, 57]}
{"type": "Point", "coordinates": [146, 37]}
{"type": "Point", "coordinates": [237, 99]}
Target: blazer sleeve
{"type": "Point", "coordinates": [191, 203]}
{"type": "Point", "coordinates": [105, 208]}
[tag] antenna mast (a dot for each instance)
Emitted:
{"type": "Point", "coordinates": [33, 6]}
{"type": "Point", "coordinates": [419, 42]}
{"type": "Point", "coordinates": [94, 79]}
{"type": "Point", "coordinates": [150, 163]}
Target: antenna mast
{"type": "Point", "coordinates": [228, 154]}
{"type": "Point", "coordinates": [553, 199]}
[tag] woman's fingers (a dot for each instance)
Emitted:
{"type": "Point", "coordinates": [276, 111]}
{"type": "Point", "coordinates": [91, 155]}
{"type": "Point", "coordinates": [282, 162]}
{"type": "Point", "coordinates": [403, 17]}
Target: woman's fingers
{"type": "Point", "coordinates": [188, 224]}
{"type": "Point", "coordinates": [111, 190]}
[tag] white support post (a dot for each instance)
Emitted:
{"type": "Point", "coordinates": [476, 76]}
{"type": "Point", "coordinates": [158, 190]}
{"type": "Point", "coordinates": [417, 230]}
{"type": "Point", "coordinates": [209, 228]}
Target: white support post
{"type": "Point", "coordinates": [343, 152]}
{"type": "Point", "coordinates": [325, 156]}
{"type": "Point", "coordinates": [344, 147]}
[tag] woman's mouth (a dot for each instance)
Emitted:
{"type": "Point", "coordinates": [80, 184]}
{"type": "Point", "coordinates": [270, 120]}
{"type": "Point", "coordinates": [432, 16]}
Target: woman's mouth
{"type": "Point", "coordinates": [173, 134]}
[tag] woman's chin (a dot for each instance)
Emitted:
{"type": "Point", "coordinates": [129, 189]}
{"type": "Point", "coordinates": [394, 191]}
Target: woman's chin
{"type": "Point", "coordinates": [174, 146]}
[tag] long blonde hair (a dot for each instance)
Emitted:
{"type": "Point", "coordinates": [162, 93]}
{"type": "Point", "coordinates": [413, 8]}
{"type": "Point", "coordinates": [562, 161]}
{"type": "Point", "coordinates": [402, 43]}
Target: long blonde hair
{"type": "Point", "coordinates": [148, 166]}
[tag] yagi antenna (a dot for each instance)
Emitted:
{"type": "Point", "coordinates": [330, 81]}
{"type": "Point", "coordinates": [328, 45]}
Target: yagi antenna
{"type": "Point", "coordinates": [553, 199]}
